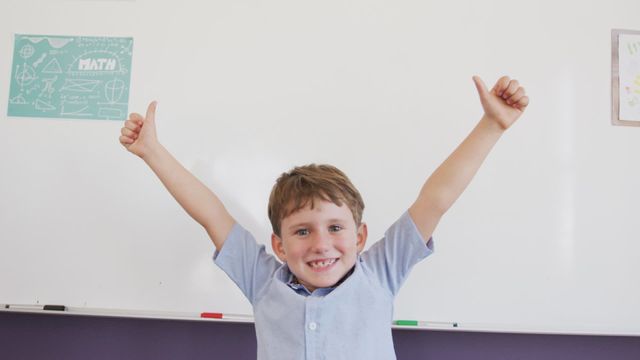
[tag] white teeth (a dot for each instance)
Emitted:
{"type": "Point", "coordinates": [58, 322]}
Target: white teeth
{"type": "Point", "coordinates": [318, 264]}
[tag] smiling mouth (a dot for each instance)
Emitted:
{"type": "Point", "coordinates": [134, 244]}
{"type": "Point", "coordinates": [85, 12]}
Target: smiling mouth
{"type": "Point", "coordinates": [321, 265]}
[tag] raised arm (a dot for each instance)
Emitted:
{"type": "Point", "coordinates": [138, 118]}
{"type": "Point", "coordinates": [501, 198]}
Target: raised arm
{"type": "Point", "coordinates": [502, 105]}
{"type": "Point", "coordinates": [139, 137]}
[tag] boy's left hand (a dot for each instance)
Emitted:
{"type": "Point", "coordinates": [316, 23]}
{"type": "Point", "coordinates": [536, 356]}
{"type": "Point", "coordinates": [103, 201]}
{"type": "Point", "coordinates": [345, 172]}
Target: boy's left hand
{"type": "Point", "coordinates": [504, 103]}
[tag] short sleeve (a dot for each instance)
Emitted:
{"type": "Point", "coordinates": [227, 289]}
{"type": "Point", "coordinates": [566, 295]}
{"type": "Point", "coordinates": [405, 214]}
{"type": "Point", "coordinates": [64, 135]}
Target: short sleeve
{"type": "Point", "coordinates": [246, 262]}
{"type": "Point", "coordinates": [391, 258]}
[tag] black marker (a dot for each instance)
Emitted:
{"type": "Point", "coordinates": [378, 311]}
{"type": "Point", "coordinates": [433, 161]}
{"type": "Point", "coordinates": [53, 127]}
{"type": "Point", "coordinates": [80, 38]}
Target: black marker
{"type": "Point", "coordinates": [36, 307]}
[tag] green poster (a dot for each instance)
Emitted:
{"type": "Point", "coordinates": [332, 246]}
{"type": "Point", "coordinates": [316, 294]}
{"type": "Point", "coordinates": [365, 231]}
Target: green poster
{"type": "Point", "coordinates": [73, 77]}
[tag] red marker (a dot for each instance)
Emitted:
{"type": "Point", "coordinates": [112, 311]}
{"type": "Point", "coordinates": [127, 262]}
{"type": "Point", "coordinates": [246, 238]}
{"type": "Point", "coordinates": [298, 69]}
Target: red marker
{"type": "Point", "coordinates": [211, 315]}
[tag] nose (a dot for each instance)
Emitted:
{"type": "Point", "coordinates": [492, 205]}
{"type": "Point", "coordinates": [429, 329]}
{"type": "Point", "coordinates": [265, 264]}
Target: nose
{"type": "Point", "coordinates": [320, 242]}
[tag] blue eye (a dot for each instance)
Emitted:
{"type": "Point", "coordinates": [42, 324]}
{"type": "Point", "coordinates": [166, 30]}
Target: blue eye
{"type": "Point", "coordinates": [335, 228]}
{"type": "Point", "coordinates": [302, 232]}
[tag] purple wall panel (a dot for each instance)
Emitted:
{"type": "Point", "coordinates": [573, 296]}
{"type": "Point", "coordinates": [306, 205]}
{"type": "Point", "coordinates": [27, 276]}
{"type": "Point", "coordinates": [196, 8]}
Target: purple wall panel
{"type": "Point", "coordinates": [443, 345]}
{"type": "Point", "coordinates": [41, 336]}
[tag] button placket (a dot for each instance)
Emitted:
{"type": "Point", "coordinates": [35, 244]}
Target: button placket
{"type": "Point", "coordinates": [311, 327]}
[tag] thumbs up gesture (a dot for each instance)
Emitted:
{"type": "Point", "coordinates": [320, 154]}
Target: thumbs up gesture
{"type": "Point", "coordinates": [504, 103]}
{"type": "Point", "coordinates": [139, 133]}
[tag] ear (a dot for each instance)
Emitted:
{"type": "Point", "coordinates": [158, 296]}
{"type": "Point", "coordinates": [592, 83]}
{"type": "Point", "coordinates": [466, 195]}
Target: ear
{"type": "Point", "coordinates": [361, 236]}
{"type": "Point", "coordinates": [278, 247]}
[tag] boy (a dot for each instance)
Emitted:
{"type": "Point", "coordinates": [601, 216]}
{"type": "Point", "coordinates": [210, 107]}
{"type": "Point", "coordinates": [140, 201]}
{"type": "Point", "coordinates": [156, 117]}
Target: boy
{"type": "Point", "coordinates": [327, 299]}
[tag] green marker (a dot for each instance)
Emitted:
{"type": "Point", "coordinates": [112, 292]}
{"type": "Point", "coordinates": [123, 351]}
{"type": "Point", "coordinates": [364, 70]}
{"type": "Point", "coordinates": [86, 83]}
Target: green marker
{"type": "Point", "coordinates": [406, 322]}
{"type": "Point", "coordinates": [425, 323]}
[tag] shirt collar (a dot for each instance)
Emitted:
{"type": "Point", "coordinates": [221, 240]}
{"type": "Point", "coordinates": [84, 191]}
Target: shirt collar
{"type": "Point", "coordinates": [293, 283]}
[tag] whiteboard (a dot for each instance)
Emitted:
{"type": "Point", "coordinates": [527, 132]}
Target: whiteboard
{"type": "Point", "coordinates": [545, 238]}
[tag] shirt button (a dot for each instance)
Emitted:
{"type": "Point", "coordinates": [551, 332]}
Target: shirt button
{"type": "Point", "coordinates": [312, 325]}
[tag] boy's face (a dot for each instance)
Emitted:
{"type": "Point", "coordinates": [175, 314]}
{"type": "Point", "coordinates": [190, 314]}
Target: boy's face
{"type": "Point", "coordinates": [320, 245]}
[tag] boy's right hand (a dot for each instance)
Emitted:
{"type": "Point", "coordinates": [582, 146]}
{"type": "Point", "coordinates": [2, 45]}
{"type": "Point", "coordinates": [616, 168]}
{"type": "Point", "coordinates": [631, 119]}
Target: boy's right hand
{"type": "Point", "coordinates": [139, 133]}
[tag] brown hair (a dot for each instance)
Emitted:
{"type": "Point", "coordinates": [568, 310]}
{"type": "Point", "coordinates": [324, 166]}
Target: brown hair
{"type": "Point", "coordinates": [301, 185]}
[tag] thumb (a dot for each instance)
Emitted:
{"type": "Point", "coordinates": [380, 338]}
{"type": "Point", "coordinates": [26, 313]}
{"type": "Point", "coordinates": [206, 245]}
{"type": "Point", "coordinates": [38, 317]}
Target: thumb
{"type": "Point", "coordinates": [481, 87]}
{"type": "Point", "coordinates": [151, 113]}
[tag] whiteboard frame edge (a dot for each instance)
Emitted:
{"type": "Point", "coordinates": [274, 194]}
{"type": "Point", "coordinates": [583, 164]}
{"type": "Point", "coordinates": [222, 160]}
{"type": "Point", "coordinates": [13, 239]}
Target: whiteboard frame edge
{"type": "Point", "coordinates": [465, 327]}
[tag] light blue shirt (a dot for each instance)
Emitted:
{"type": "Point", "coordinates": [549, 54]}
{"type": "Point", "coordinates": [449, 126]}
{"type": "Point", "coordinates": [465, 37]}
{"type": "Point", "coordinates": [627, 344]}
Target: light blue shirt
{"type": "Point", "coordinates": [350, 321]}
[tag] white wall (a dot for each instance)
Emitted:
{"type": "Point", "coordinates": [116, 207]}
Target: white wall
{"type": "Point", "coordinates": [545, 239]}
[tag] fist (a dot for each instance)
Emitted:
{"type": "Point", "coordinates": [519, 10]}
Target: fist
{"type": "Point", "coordinates": [505, 102]}
{"type": "Point", "coordinates": [138, 135]}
